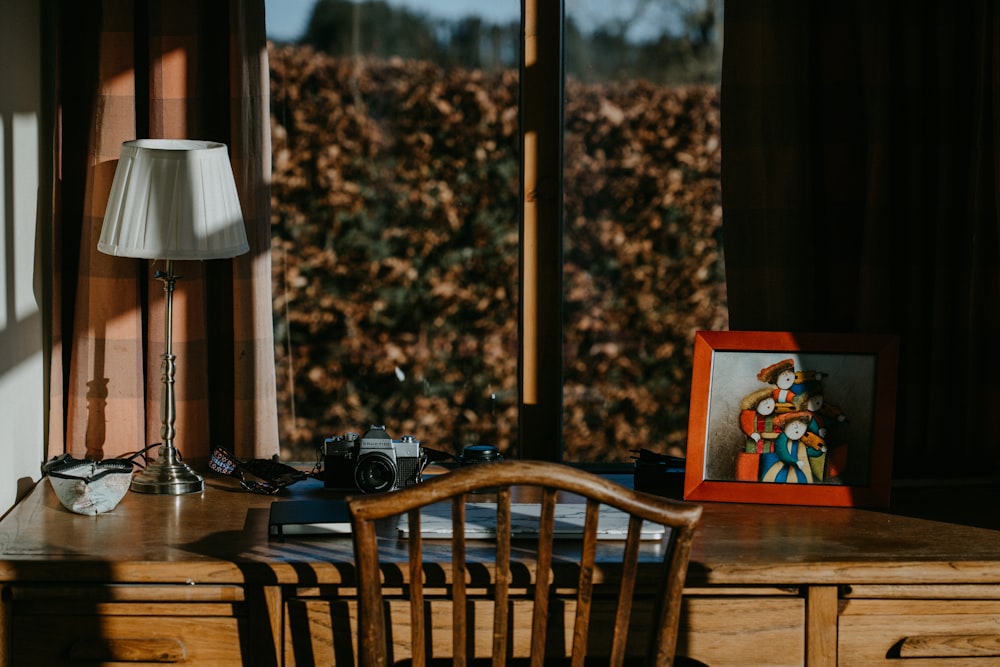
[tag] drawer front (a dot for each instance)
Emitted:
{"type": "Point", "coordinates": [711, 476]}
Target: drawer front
{"type": "Point", "coordinates": [744, 632]}
{"type": "Point", "coordinates": [53, 640]}
{"type": "Point", "coordinates": [952, 633]}
{"type": "Point", "coordinates": [130, 624]}
{"type": "Point", "coordinates": [719, 631]}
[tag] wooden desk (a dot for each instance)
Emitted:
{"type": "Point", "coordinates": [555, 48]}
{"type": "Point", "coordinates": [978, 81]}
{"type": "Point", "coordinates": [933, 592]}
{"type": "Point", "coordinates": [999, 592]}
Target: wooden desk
{"type": "Point", "coordinates": [196, 576]}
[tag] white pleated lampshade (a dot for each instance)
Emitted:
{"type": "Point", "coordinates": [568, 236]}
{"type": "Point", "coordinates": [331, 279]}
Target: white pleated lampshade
{"type": "Point", "coordinates": [173, 199]}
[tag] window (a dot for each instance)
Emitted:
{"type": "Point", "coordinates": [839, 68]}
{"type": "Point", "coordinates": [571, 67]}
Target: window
{"type": "Point", "coordinates": [426, 281]}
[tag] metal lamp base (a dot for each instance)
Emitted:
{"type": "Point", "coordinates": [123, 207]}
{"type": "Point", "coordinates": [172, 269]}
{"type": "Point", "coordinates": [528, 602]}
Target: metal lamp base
{"type": "Point", "coordinates": [168, 476]}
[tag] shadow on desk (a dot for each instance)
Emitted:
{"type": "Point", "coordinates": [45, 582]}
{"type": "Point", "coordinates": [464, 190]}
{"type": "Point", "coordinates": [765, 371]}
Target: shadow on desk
{"type": "Point", "coordinates": [966, 504]}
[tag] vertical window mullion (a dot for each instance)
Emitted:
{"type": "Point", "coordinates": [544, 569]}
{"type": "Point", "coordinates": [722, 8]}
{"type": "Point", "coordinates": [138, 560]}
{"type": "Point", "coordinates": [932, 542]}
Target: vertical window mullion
{"type": "Point", "coordinates": [540, 306]}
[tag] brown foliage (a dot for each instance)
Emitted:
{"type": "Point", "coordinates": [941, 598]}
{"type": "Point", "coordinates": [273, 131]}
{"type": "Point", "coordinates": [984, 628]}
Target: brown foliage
{"type": "Point", "coordinates": [395, 199]}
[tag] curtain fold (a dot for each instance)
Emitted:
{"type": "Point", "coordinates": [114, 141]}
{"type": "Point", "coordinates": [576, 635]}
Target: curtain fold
{"type": "Point", "coordinates": [860, 195]}
{"type": "Point", "coordinates": [159, 69]}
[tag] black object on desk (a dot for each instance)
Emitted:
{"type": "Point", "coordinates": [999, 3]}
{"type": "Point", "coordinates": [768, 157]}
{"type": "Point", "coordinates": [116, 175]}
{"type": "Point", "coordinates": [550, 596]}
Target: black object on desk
{"type": "Point", "coordinates": [308, 517]}
{"type": "Point", "coordinates": [659, 474]}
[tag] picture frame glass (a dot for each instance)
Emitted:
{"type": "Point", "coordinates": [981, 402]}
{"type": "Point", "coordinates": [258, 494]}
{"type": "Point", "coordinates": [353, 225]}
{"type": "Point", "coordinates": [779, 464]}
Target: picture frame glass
{"type": "Point", "coordinates": [840, 388]}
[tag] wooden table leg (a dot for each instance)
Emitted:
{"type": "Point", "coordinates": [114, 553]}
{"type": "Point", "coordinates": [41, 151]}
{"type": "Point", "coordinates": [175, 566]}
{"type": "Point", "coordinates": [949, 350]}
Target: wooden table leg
{"type": "Point", "coordinates": [821, 626]}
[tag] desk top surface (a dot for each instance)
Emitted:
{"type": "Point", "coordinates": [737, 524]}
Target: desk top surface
{"type": "Point", "coordinates": [221, 536]}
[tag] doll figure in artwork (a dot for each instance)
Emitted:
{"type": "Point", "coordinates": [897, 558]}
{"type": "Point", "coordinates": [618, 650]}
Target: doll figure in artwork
{"type": "Point", "coordinates": [789, 463]}
{"type": "Point", "coordinates": [788, 383]}
{"type": "Point", "coordinates": [757, 423]}
{"type": "Point", "coordinates": [819, 435]}
{"type": "Point", "coordinates": [782, 376]}
{"type": "Point", "coordinates": [823, 413]}
{"type": "Point", "coordinates": [815, 435]}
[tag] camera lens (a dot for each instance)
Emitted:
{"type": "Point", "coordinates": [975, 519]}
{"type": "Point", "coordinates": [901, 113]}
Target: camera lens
{"type": "Point", "coordinates": [375, 473]}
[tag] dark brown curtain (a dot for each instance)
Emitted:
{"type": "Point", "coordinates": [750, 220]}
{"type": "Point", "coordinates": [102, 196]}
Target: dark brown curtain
{"type": "Point", "coordinates": [159, 69]}
{"type": "Point", "coordinates": [860, 195]}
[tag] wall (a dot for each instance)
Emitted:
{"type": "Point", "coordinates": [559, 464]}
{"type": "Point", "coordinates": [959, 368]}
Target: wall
{"type": "Point", "coordinates": [22, 207]}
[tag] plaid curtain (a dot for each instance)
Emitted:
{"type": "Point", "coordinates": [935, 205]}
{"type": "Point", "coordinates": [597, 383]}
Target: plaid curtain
{"type": "Point", "coordinates": [860, 195]}
{"type": "Point", "coordinates": [159, 69]}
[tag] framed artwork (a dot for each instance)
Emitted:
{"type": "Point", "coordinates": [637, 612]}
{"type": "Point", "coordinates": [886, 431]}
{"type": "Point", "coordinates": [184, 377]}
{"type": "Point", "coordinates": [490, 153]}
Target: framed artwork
{"type": "Point", "coordinates": [794, 419]}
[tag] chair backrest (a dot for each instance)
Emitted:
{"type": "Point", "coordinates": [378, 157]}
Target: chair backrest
{"type": "Point", "coordinates": [559, 620]}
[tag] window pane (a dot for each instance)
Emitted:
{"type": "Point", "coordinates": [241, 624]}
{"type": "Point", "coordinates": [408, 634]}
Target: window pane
{"type": "Point", "coordinates": [395, 225]}
{"type": "Point", "coordinates": [396, 219]}
{"type": "Point", "coordinates": [642, 231]}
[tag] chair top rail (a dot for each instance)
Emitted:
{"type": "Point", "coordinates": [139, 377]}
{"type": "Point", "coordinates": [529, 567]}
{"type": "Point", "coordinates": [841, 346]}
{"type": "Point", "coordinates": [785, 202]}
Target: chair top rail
{"type": "Point", "coordinates": [544, 474]}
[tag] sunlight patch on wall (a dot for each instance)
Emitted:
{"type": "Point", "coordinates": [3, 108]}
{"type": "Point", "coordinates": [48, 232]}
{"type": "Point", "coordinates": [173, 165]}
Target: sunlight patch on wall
{"type": "Point", "coordinates": [25, 195]}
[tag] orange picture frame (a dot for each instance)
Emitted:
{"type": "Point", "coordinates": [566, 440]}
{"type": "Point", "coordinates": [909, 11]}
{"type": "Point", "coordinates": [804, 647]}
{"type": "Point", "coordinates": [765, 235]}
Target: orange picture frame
{"type": "Point", "coordinates": [794, 419]}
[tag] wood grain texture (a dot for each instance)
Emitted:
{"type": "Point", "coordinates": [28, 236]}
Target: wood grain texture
{"type": "Point", "coordinates": [939, 632]}
{"type": "Point", "coordinates": [821, 616]}
{"type": "Point", "coordinates": [205, 562]}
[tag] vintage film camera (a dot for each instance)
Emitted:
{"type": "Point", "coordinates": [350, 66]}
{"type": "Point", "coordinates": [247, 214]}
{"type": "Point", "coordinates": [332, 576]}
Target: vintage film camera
{"type": "Point", "coordinates": [373, 462]}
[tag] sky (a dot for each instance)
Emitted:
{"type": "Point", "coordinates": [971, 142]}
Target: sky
{"type": "Point", "coordinates": [286, 19]}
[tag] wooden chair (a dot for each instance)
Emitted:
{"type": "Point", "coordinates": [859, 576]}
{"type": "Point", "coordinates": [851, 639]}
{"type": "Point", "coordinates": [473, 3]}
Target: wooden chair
{"type": "Point", "coordinates": [406, 568]}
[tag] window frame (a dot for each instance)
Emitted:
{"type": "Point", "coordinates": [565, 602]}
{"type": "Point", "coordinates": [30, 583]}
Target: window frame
{"type": "Point", "coordinates": [540, 327]}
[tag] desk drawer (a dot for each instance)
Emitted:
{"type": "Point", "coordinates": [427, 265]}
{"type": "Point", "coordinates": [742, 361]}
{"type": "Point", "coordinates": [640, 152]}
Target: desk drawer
{"type": "Point", "coordinates": [718, 629]}
{"type": "Point", "coordinates": [724, 631]}
{"type": "Point", "coordinates": [952, 633]}
{"type": "Point", "coordinates": [55, 626]}
{"type": "Point", "coordinates": [75, 640]}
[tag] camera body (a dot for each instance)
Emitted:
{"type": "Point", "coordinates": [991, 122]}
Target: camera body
{"type": "Point", "coordinates": [373, 462]}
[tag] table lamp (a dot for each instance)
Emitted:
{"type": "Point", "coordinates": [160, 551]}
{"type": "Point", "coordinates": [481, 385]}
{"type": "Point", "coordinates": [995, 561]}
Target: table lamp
{"type": "Point", "coordinates": [172, 199]}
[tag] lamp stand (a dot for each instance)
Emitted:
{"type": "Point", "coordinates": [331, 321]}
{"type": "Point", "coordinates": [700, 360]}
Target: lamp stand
{"type": "Point", "coordinates": [168, 475]}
